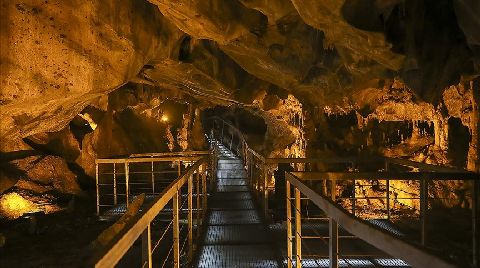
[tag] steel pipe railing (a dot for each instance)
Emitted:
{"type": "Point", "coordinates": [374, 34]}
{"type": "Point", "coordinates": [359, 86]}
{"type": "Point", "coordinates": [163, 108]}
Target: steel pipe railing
{"type": "Point", "coordinates": [354, 170]}
{"type": "Point", "coordinates": [131, 172]}
{"type": "Point", "coordinates": [141, 227]}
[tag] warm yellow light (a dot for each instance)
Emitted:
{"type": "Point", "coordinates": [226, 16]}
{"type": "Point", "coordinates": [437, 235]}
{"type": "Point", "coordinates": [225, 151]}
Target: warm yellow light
{"type": "Point", "coordinates": [13, 205]}
{"type": "Point", "coordinates": [164, 118]}
{"type": "Point", "coordinates": [89, 119]}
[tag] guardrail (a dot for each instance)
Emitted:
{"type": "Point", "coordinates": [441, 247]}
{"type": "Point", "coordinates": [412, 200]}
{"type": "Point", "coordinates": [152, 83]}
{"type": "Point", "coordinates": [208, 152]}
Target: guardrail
{"type": "Point", "coordinates": [144, 225]}
{"type": "Point", "coordinates": [118, 179]}
{"type": "Point", "coordinates": [387, 242]}
{"type": "Point", "coordinates": [378, 171]}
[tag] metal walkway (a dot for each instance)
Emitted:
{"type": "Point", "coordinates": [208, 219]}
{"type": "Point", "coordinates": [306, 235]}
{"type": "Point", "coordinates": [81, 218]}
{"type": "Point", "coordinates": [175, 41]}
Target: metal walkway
{"type": "Point", "coordinates": [235, 233]}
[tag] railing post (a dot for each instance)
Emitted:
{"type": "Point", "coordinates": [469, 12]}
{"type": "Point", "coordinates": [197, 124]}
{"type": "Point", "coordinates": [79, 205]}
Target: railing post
{"type": "Point", "coordinates": [176, 231]}
{"type": "Point", "coordinates": [115, 198]}
{"type": "Point", "coordinates": [388, 191]}
{"type": "Point", "coordinates": [265, 190]}
{"type": "Point", "coordinates": [179, 168]}
{"type": "Point", "coordinates": [354, 199]}
{"type": "Point", "coordinates": [147, 247]}
{"type": "Point", "coordinates": [475, 223]}
{"type": "Point", "coordinates": [298, 229]}
{"type": "Point", "coordinates": [423, 209]}
{"type": "Point", "coordinates": [289, 224]}
{"type": "Point", "coordinates": [153, 180]}
{"type": "Point", "coordinates": [204, 192]}
{"type": "Point", "coordinates": [333, 244]}
{"type": "Point", "coordinates": [223, 126]}
{"type": "Point", "coordinates": [97, 188]}
{"type": "Point", "coordinates": [333, 233]}
{"type": "Point", "coordinates": [197, 190]}
{"type": "Point", "coordinates": [388, 199]}
{"type": "Point", "coordinates": [190, 218]}
{"type": "Point", "coordinates": [127, 182]}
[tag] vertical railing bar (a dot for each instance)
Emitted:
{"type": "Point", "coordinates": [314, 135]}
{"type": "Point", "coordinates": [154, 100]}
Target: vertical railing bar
{"type": "Point", "coordinates": [147, 247]}
{"type": "Point", "coordinates": [388, 199]}
{"type": "Point", "coordinates": [127, 182]}
{"type": "Point", "coordinates": [176, 235]}
{"type": "Point", "coordinates": [475, 223]}
{"type": "Point", "coordinates": [179, 168]}
{"type": "Point", "coordinates": [423, 209]}
{"type": "Point", "coordinates": [333, 243]}
{"type": "Point", "coordinates": [265, 190]}
{"type": "Point", "coordinates": [388, 191]}
{"type": "Point", "coordinates": [97, 188]}
{"type": "Point", "coordinates": [298, 229]}
{"type": "Point", "coordinates": [354, 200]}
{"type": "Point", "coordinates": [289, 224]}
{"type": "Point", "coordinates": [190, 218]}
{"type": "Point", "coordinates": [197, 190]}
{"type": "Point", "coordinates": [115, 198]}
{"type": "Point", "coordinates": [204, 192]}
{"type": "Point", "coordinates": [153, 179]}
{"type": "Point", "coordinates": [333, 232]}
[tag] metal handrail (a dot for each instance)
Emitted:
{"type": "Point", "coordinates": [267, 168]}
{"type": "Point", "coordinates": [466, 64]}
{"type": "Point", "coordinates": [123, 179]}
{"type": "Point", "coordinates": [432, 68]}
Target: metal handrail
{"type": "Point", "coordinates": [258, 172]}
{"type": "Point", "coordinates": [110, 255]}
{"type": "Point", "coordinates": [125, 164]}
{"type": "Point", "coordinates": [165, 154]}
{"type": "Point", "coordinates": [393, 245]}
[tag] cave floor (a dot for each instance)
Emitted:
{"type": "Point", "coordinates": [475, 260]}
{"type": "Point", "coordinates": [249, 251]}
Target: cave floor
{"type": "Point", "coordinates": [59, 240]}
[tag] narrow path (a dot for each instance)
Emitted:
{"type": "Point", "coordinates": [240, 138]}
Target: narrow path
{"type": "Point", "coordinates": [236, 235]}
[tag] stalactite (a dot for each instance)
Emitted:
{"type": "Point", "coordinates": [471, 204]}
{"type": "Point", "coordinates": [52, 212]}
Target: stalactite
{"type": "Point", "coordinates": [182, 133]}
{"type": "Point", "coordinates": [473, 162]}
{"type": "Point", "coordinates": [170, 139]}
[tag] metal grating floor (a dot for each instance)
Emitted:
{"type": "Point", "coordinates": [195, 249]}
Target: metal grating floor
{"type": "Point", "coordinates": [242, 204]}
{"type": "Point", "coordinates": [235, 235]}
{"type": "Point", "coordinates": [233, 217]}
{"type": "Point", "coordinates": [235, 182]}
{"type": "Point", "coordinates": [232, 188]}
{"type": "Point", "coordinates": [237, 256]}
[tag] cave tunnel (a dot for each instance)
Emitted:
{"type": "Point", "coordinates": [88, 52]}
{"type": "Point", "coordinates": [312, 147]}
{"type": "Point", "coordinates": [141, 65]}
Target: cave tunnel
{"type": "Point", "coordinates": [285, 133]}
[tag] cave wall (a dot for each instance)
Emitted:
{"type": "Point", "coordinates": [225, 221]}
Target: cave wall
{"type": "Point", "coordinates": [80, 80]}
{"type": "Point", "coordinates": [57, 57]}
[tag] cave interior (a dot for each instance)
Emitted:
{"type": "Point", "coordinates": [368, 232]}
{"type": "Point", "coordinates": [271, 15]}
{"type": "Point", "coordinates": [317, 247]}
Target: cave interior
{"type": "Point", "coordinates": [351, 88]}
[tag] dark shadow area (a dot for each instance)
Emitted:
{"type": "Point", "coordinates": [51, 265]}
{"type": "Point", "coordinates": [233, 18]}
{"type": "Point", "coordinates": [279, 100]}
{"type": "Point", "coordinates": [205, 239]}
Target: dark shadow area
{"type": "Point", "coordinates": [458, 142]}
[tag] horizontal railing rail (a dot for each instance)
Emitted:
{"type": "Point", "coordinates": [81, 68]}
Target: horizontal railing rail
{"type": "Point", "coordinates": [353, 170]}
{"type": "Point", "coordinates": [119, 179]}
{"type": "Point", "coordinates": [372, 234]}
{"type": "Point", "coordinates": [141, 225]}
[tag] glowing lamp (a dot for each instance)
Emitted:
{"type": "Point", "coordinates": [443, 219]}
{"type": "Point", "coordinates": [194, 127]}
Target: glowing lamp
{"type": "Point", "coordinates": [164, 118]}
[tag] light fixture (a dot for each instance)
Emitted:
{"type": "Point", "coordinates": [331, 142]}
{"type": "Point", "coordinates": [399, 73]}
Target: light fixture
{"type": "Point", "coordinates": [164, 118]}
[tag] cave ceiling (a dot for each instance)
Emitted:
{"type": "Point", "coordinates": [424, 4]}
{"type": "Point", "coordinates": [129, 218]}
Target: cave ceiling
{"type": "Point", "coordinates": [58, 57]}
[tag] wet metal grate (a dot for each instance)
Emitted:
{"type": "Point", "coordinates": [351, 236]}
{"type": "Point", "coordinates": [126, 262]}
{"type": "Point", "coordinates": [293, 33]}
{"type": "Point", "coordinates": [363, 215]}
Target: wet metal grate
{"type": "Point", "coordinates": [218, 234]}
{"type": "Point", "coordinates": [219, 217]}
{"type": "Point", "coordinates": [235, 182]}
{"type": "Point", "coordinates": [232, 188]}
{"type": "Point", "coordinates": [223, 196]}
{"type": "Point", "coordinates": [237, 256]}
{"type": "Point", "coordinates": [246, 204]}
